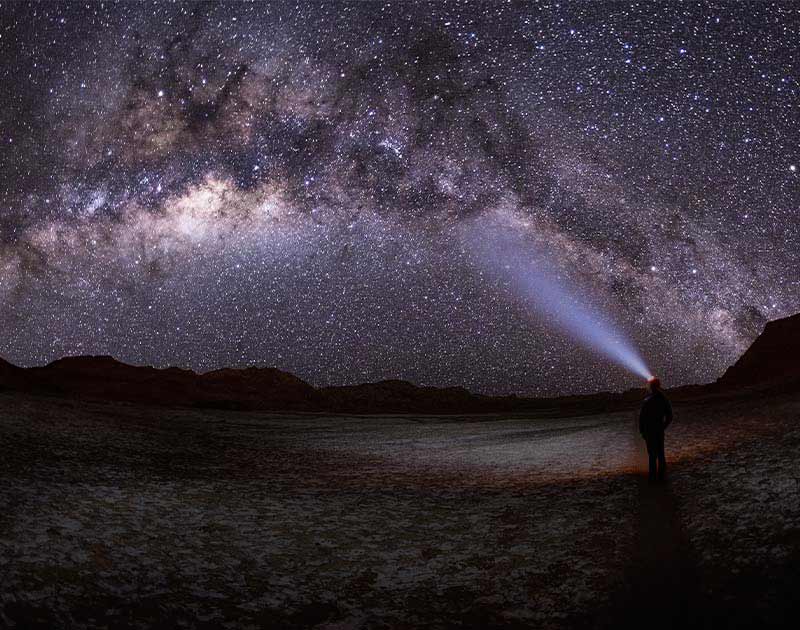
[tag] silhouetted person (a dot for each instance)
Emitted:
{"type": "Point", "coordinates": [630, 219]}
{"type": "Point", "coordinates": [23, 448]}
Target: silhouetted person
{"type": "Point", "coordinates": [655, 416]}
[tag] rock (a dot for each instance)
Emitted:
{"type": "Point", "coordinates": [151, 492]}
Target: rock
{"type": "Point", "coordinates": [774, 357]}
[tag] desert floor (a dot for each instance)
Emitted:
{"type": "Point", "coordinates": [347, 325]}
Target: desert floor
{"type": "Point", "coordinates": [118, 516]}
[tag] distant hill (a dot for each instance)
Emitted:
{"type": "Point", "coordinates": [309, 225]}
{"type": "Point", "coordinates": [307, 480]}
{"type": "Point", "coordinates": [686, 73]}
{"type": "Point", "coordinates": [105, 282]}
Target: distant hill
{"type": "Point", "coordinates": [772, 359]}
{"type": "Point", "coordinates": [267, 389]}
{"type": "Point", "coordinates": [103, 377]}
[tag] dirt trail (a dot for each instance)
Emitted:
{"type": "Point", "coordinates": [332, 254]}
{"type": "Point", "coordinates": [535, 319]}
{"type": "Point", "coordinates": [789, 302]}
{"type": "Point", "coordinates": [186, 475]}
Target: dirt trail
{"type": "Point", "coordinates": [661, 582]}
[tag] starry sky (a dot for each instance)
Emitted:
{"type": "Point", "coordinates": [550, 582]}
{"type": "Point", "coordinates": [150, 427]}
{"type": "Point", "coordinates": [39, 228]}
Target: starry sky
{"type": "Point", "coordinates": [300, 185]}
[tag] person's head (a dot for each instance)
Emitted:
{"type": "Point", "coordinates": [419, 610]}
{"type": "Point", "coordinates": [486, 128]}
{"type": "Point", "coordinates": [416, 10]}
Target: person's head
{"type": "Point", "coordinates": [653, 384]}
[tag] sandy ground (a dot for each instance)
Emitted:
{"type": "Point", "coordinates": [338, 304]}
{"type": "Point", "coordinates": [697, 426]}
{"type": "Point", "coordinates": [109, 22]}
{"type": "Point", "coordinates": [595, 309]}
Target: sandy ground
{"type": "Point", "coordinates": [117, 516]}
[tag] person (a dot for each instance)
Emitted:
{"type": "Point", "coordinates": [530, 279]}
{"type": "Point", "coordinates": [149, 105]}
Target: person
{"type": "Point", "coordinates": [654, 417]}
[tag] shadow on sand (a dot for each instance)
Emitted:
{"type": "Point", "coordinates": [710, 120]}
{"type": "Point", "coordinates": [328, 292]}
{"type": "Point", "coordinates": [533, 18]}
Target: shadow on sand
{"type": "Point", "coordinates": [662, 586]}
{"type": "Point", "coordinates": [661, 582]}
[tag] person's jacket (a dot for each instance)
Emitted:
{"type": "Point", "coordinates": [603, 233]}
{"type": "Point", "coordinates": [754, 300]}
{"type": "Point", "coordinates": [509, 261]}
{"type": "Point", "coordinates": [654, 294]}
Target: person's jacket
{"type": "Point", "coordinates": [656, 414]}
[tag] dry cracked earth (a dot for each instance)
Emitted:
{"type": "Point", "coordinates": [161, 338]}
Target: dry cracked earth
{"type": "Point", "coordinates": [118, 516]}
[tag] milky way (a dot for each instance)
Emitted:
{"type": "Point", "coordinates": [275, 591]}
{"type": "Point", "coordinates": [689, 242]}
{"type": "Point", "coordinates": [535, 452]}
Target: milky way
{"type": "Point", "coordinates": [211, 185]}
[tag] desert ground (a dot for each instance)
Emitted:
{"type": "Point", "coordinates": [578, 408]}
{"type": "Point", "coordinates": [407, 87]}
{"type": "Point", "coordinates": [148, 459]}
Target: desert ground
{"type": "Point", "coordinates": [119, 516]}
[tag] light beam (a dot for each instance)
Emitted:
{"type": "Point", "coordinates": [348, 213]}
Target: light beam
{"type": "Point", "coordinates": [528, 266]}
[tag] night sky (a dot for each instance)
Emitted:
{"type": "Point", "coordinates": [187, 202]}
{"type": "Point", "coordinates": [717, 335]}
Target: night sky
{"type": "Point", "coordinates": [301, 185]}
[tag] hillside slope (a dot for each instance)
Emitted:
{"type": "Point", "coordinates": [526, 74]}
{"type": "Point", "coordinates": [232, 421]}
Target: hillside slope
{"type": "Point", "coordinates": [772, 357]}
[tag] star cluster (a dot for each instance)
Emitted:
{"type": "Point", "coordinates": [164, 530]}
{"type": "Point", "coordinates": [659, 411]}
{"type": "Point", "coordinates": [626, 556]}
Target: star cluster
{"type": "Point", "coordinates": [290, 184]}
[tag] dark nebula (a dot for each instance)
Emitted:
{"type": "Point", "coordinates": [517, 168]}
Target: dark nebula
{"type": "Point", "coordinates": [229, 184]}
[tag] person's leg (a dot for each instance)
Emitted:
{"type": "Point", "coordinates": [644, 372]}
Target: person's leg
{"type": "Point", "coordinates": [662, 459]}
{"type": "Point", "coordinates": [652, 453]}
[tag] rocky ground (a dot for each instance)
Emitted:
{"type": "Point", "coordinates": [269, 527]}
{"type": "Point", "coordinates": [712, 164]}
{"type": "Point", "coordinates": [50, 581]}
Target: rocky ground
{"type": "Point", "coordinates": [117, 516]}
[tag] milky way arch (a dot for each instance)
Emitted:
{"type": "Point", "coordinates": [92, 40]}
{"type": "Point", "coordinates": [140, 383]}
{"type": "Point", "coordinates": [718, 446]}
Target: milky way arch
{"type": "Point", "coordinates": [235, 184]}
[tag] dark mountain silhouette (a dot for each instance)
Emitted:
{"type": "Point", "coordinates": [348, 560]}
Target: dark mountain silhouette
{"type": "Point", "coordinates": [771, 360]}
{"type": "Point", "coordinates": [11, 376]}
{"type": "Point", "coordinates": [103, 377]}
